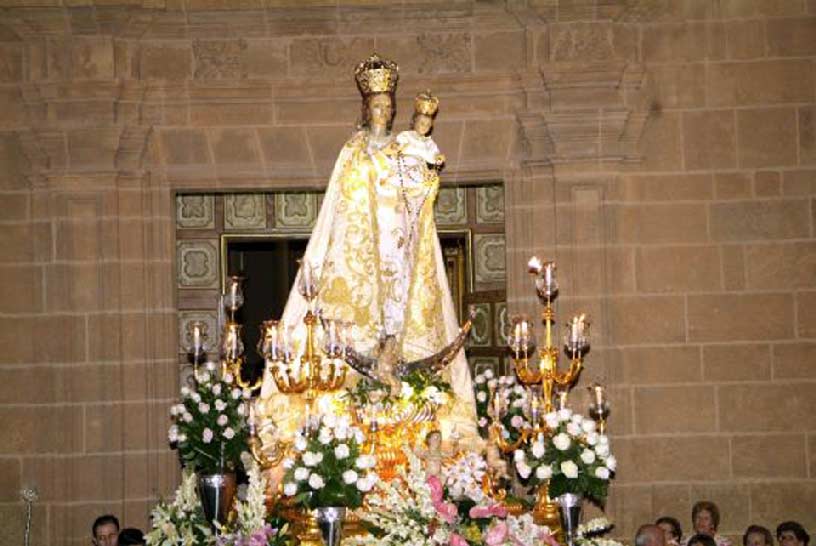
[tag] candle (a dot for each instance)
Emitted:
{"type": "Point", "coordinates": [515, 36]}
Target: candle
{"type": "Point", "coordinates": [562, 400]}
{"type": "Point", "coordinates": [196, 338]}
{"type": "Point", "coordinates": [535, 409]}
{"type": "Point", "coordinates": [234, 289]}
{"type": "Point", "coordinates": [549, 274]}
{"type": "Point", "coordinates": [534, 265]}
{"type": "Point", "coordinates": [576, 326]}
{"type": "Point", "coordinates": [599, 394]}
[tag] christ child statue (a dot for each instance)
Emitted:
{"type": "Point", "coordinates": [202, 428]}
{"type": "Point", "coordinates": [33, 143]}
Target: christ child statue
{"type": "Point", "coordinates": [417, 141]}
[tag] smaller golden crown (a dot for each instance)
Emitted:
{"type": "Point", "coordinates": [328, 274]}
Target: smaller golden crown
{"type": "Point", "coordinates": [376, 75]}
{"type": "Point", "coordinates": [425, 103]}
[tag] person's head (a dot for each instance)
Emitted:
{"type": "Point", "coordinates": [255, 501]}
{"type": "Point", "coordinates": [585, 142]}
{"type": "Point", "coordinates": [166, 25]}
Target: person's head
{"type": "Point", "coordinates": [105, 531]}
{"type": "Point", "coordinates": [671, 529]}
{"type": "Point", "coordinates": [649, 535]}
{"type": "Point", "coordinates": [425, 108]}
{"type": "Point", "coordinates": [131, 537]}
{"type": "Point", "coordinates": [756, 535]}
{"type": "Point", "coordinates": [791, 533]}
{"type": "Point", "coordinates": [705, 516]}
{"type": "Point", "coordinates": [434, 439]}
{"type": "Point", "coordinates": [378, 110]}
{"type": "Point", "coordinates": [702, 539]}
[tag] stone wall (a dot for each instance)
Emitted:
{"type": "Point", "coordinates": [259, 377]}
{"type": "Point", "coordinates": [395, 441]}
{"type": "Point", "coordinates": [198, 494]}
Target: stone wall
{"type": "Point", "coordinates": [663, 152]}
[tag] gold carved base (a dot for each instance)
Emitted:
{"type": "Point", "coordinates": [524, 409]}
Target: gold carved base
{"type": "Point", "coordinates": [546, 513]}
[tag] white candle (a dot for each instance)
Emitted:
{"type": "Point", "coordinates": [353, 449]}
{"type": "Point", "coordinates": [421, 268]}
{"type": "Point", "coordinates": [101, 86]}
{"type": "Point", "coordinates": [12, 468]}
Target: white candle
{"type": "Point", "coordinates": [196, 338]}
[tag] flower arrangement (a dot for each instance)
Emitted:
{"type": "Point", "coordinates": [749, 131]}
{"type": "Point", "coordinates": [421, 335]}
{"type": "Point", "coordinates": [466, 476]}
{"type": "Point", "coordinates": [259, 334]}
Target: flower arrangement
{"type": "Point", "coordinates": [181, 522]}
{"type": "Point", "coordinates": [417, 388]}
{"type": "Point", "coordinates": [329, 468]}
{"type": "Point", "coordinates": [513, 398]}
{"type": "Point", "coordinates": [209, 424]}
{"type": "Point", "coordinates": [573, 456]}
{"type": "Point", "coordinates": [252, 527]}
{"type": "Point", "coordinates": [463, 478]}
{"type": "Point", "coordinates": [419, 510]}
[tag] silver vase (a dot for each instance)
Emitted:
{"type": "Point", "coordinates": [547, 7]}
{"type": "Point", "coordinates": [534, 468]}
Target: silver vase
{"type": "Point", "coordinates": [217, 493]}
{"type": "Point", "coordinates": [330, 522]}
{"type": "Point", "coordinates": [569, 506]}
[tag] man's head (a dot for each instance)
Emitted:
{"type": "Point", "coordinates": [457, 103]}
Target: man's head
{"type": "Point", "coordinates": [105, 531]}
{"type": "Point", "coordinates": [650, 535]}
{"type": "Point", "coordinates": [791, 533]}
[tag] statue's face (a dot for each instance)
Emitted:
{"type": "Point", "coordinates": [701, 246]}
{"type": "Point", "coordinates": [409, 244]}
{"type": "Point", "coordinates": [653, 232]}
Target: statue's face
{"type": "Point", "coordinates": [423, 124]}
{"type": "Point", "coordinates": [379, 109]}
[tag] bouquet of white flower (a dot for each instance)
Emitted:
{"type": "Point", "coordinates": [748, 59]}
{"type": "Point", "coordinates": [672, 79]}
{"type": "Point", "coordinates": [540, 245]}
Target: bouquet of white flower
{"type": "Point", "coordinates": [251, 526]}
{"type": "Point", "coordinates": [180, 523]}
{"type": "Point", "coordinates": [573, 456]}
{"type": "Point", "coordinates": [209, 426]}
{"type": "Point", "coordinates": [513, 398]}
{"type": "Point", "coordinates": [329, 468]}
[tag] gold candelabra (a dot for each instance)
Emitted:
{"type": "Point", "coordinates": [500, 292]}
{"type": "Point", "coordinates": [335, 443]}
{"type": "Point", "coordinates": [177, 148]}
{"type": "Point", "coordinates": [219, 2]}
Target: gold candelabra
{"type": "Point", "coordinates": [232, 347]}
{"type": "Point", "coordinates": [546, 386]}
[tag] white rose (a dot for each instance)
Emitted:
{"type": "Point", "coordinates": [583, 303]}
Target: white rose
{"type": "Point", "coordinates": [220, 405]}
{"type": "Point", "coordinates": [482, 422]}
{"type": "Point", "coordinates": [524, 469]}
{"type": "Point", "coordinates": [182, 438]}
{"type": "Point", "coordinates": [569, 469]}
{"type": "Point", "coordinates": [480, 379]}
{"type": "Point", "coordinates": [203, 377]}
{"type": "Point", "coordinates": [341, 432]}
{"type": "Point", "coordinates": [602, 472]}
{"type": "Point", "coordinates": [207, 435]}
{"type": "Point", "coordinates": [316, 482]}
{"type": "Point", "coordinates": [216, 390]}
{"type": "Point", "coordinates": [603, 439]}
{"type": "Point", "coordinates": [365, 461]}
{"type": "Point", "coordinates": [544, 472]}
{"type": "Point", "coordinates": [481, 396]}
{"type": "Point", "coordinates": [188, 417]}
{"type": "Point", "coordinates": [359, 437]}
{"type": "Point", "coordinates": [325, 436]}
{"type": "Point", "coordinates": [564, 414]}
{"type": "Point", "coordinates": [538, 449]}
{"type": "Point", "coordinates": [592, 438]}
{"type": "Point", "coordinates": [301, 473]}
{"type": "Point", "coordinates": [588, 426]}
{"type": "Point", "coordinates": [577, 418]}
{"type": "Point", "coordinates": [247, 394]}
{"type": "Point", "coordinates": [341, 452]}
{"type": "Point", "coordinates": [312, 459]}
{"type": "Point", "coordinates": [222, 420]}
{"type": "Point", "coordinates": [288, 463]}
{"type": "Point", "coordinates": [228, 378]}
{"type": "Point", "coordinates": [300, 443]}
{"type": "Point", "coordinates": [519, 455]}
{"type": "Point", "coordinates": [611, 463]}
{"type": "Point", "coordinates": [602, 450]}
{"type": "Point", "coordinates": [330, 420]}
{"type": "Point", "coordinates": [185, 391]}
{"type": "Point", "coordinates": [235, 393]}
{"type": "Point", "coordinates": [516, 421]}
{"type": "Point", "coordinates": [588, 456]}
{"type": "Point", "coordinates": [203, 407]}
{"type": "Point", "coordinates": [573, 429]}
{"type": "Point", "coordinates": [364, 485]}
{"type": "Point", "coordinates": [241, 409]}
{"type": "Point", "coordinates": [196, 397]}
{"type": "Point", "coordinates": [210, 365]}
{"type": "Point", "coordinates": [561, 441]}
{"type": "Point", "coordinates": [551, 419]}
{"type": "Point", "coordinates": [172, 434]}
{"type": "Point", "coordinates": [290, 489]}
{"type": "Point", "coordinates": [349, 477]}
{"type": "Point", "coordinates": [488, 373]}
{"type": "Point", "coordinates": [229, 434]}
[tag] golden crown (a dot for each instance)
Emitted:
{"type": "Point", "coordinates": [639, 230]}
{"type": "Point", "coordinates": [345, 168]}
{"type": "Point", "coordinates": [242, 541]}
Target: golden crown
{"type": "Point", "coordinates": [425, 103]}
{"type": "Point", "coordinates": [376, 75]}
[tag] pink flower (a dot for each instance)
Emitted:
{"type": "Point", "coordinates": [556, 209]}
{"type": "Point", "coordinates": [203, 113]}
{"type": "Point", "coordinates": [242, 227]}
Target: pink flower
{"type": "Point", "coordinates": [436, 488]}
{"type": "Point", "coordinates": [548, 539]}
{"type": "Point", "coordinates": [497, 534]}
{"type": "Point", "coordinates": [456, 540]}
{"type": "Point", "coordinates": [446, 510]}
{"type": "Point", "coordinates": [481, 512]}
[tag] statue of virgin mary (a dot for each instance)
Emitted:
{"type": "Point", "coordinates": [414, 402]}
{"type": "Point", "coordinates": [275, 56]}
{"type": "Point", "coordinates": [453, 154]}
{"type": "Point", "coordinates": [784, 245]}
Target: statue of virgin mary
{"type": "Point", "coordinates": [376, 251]}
